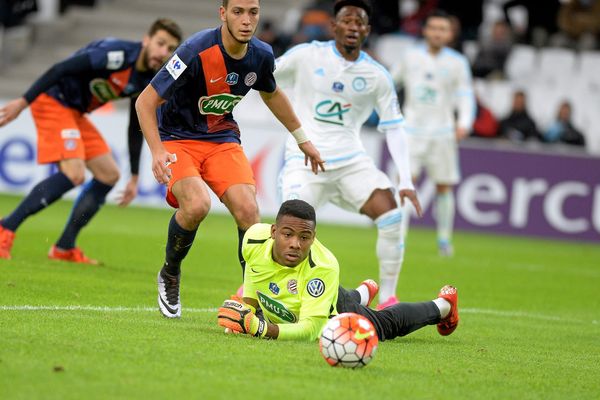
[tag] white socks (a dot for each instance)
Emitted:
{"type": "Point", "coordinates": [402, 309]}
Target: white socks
{"type": "Point", "coordinates": [390, 251]}
{"type": "Point", "coordinates": [444, 215]}
{"type": "Point", "coordinates": [363, 290]}
{"type": "Point", "coordinates": [444, 306]}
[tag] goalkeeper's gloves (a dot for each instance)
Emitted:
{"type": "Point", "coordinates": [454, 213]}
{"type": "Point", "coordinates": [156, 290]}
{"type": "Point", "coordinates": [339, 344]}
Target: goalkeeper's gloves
{"type": "Point", "coordinates": [240, 317]}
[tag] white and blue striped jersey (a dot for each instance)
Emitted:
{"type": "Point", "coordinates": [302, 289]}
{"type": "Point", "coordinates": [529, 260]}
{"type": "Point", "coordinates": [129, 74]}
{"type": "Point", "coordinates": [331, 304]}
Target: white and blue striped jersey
{"type": "Point", "coordinates": [333, 98]}
{"type": "Point", "coordinates": [435, 87]}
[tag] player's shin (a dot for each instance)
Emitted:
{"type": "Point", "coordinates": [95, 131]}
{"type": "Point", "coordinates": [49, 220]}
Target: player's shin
{"type": "Point", "coordinates": [390, 252]}
{"type": "Point", "coordinates": [444, 215]}
{"type": "Point", "coordinates": [86, 206]}
{"type": "Point", "coordinates": [179, 242]}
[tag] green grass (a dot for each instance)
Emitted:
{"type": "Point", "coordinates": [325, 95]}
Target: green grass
{"type": "Point", "coordinates": [529, 320]}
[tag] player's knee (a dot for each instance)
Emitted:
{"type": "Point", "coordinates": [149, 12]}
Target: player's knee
{"type": "Point", "coordinates": [246, 214]}
{"type": "Point", "coordinates": [194, 212]}
{"type": "Point", "coordinates": [110, 177]}
{"type": "Point", "coordinates": [76, 176]}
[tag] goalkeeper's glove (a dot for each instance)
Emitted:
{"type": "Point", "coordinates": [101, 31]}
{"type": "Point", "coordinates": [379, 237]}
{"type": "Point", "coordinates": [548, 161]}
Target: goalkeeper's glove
{"type": "Point", "coordinates": [240, 317]}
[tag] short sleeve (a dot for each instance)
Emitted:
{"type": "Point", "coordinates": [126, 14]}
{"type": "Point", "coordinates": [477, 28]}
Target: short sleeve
{"type": "Point", "coordinates": [266, 81]}
{"type": "Point", "coordinates": [174, 70]}
{"type": "Point", "coordinates": [287, 64]}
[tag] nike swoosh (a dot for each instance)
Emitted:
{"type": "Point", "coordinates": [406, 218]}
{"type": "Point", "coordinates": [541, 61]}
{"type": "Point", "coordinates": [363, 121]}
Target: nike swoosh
{"type": "Point", "coordinates": [252, 269]}
{"type": "Point", "coordinates": [215, 80]}
{"type": "Point", "coordinates": [360, 336]}
{"type": "Point", "coordinates": [168, 307]}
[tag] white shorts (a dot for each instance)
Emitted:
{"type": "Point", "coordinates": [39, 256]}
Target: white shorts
{"type": "Point", "coordinates": [348, 187]}
{"type": "Point", "coordinates": [438, 155]}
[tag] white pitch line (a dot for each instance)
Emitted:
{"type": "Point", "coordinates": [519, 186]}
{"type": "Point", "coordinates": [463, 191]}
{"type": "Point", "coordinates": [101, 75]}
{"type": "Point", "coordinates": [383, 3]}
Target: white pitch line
{"type": "Point", "coordinates": [96, 308]}
{"type": "Point", "coordinates": [480, 311]}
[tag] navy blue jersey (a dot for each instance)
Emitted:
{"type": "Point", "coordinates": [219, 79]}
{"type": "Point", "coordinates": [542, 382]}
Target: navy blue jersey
{"type": "Point", "coordinates": [112, 75]}
{"type": "Point", "coordinates": [202, 85]}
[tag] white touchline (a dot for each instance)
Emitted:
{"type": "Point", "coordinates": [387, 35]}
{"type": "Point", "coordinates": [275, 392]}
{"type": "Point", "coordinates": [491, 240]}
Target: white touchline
{"type": "Point", "coordinates": [481, 311]}
{"type": "Point", "coordinates": [96, 308]}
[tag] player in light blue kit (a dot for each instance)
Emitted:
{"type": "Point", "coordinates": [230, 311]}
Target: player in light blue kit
{"type": "Point", "coordinates": [437, 82]}
{"type": "Point", "coordinates": [335, 88]}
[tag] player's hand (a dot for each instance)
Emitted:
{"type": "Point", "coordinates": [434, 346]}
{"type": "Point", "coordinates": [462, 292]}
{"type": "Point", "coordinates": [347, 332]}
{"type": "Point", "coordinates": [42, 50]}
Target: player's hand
{"type": "Point", "coordinates": [239, 317]}
{"type": "Point", "coordinates": [461, 133]}
{"type": "Point", "coordinates": [412, 196]}
{"type": "Point", "coordinates": [129, 193]}
{"type": "Point", "coordinates": [311, 153]}
{"type": "Point", "coordinates": [11, 110]}
{"type": "Point", "coordinates": [160, 165]}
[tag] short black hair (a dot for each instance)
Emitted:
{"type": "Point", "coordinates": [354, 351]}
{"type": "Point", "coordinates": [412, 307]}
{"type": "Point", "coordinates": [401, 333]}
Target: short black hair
{"type": "Point", "coordinates": [226, 3]}
{"type": "Point", "coordinates": [364, 4]}
{"type": "Point", "coordinates": [297, 208]}
{"type": "Point", "coordinates": [167, 25]}
{"type": "Point", "coordinates": [437, 13]}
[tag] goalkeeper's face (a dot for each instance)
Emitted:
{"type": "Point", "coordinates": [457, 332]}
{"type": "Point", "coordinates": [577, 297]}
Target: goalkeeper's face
{"type": "Point", "coordinates": [156, 49]}
{"type": "Point", "coordinates": [292, 237]}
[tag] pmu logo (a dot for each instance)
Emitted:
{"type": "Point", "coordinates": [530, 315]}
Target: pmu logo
{"type": "Point", "coordinates": [331, 112]}
{"type": "Point", "coordinates": [102, 90]}
{"type": "Point", "coordinates": [219, 104]}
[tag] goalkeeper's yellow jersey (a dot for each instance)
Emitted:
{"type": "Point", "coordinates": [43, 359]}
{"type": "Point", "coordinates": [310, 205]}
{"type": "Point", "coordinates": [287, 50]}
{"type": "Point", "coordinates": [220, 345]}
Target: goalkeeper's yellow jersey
{"type": "Point", "coordinates": [299, 299]}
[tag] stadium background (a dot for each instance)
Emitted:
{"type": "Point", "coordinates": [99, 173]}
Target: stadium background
{"type": "Point", "coordinates": [529, 307]}
{"type": "Point", "coordinates": [525, 188]}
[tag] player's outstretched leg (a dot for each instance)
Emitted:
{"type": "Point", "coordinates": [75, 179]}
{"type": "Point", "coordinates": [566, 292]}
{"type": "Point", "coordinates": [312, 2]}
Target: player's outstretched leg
{"type": "Point", "coordinates": [368, 289]}
{"type": "Point", "coordinates": [89, 201]}
{"type": "Point", "coordinates": [179, 243]}
{"type": "Point", "coordinates": [41, 196]}
{"type": "Point", "coordinates": [450, 321]}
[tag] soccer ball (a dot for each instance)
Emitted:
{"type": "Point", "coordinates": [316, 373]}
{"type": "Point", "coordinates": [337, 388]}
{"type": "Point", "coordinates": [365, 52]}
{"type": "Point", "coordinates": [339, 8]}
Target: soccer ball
{"type": "Point", "coordinates": [348, 340]}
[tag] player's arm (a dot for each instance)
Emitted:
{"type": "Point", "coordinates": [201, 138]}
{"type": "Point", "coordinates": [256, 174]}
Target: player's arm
{"type": "Point", "coordinates": [70, 66]}
{"type": "Point", "coordinates": [390, 122]}
{"type": "Point", "coordinates": [135, 140]}
{"type": "Point", "coordinates": [147, 103]}
{"type": "Point", "coordinates": [398, 148]}
{"type": "Point", "coordinates": [465, 102]}
{"type": "Point", "coordinates": [280, 106]}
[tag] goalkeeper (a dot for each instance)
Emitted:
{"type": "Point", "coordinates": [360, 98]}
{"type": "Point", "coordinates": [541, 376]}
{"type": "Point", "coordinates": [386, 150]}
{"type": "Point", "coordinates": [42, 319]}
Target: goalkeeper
{"type": "Point", "coordinates": [291, 287]}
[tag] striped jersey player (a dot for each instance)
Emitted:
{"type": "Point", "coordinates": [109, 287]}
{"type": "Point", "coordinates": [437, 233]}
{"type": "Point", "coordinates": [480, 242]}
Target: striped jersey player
{"type": "Point", "coordinates": [105, 70]}
{"type": "Point", "coordinates": [186, 117]}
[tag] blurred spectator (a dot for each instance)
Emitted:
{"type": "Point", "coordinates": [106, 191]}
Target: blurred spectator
{"type": "Point", "coordinates": [562, 130]}
{"type": "Point", "coordinates": [485, 124]}
{"type": "Point", "coordinates": [315, 23]}
{"type": "Point", "coordinates": [455, 41]}
{"type": "Point", "coordinates": [519, 126]}
{"type": "Point", "coordinates": [413, 24]}
{"type": "Point", "coordinates": [385, 17]}
{"type": "Point", "coordinates": [579, 22]}
{"type": "Point", "coordinates": [278, 41]}
{"type": "Point", "coordinates": [13, 12]}
{"type": "Point", "coordinates": [541, 20]}
{"type": "Point", "coordinates": [493, 52]}
{"type": "Point", "coordinates": [469, 13]}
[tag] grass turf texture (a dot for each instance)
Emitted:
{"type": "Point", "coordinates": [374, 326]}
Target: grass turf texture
{"type": "Point", "coordinates": [529, 320]}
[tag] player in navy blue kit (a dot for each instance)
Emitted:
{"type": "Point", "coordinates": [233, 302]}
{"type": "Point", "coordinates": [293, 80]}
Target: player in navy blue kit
{"type": "Point", "coordinates": [103, 71]}
{"type": "Point", "coordinates": [195, 139]}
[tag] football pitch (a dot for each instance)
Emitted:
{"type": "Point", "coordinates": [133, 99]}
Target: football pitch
{"type": "Point", "coordinates": [530, 319]}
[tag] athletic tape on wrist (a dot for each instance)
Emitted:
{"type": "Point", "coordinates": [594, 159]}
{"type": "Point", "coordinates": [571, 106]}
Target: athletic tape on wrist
{"type": "Point", "coordinates": [262, 328]}
{"type": "Point", "coordinates": [300, 135]}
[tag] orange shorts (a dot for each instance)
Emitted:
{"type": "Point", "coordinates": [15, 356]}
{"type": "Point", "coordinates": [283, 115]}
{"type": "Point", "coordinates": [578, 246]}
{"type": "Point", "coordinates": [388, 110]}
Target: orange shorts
{"type": "Point", "coordinates": [64, 132]}
{"type": "Point", "coordinates": [220, 165]}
